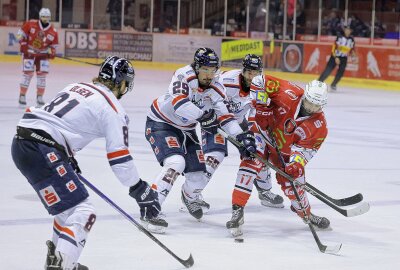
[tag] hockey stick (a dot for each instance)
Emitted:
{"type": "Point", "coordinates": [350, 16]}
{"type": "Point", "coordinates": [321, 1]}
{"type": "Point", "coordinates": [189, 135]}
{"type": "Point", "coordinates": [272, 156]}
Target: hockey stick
{"type": "Point", "coordinates": [358, 210]}
{"type": "Point", "coordinates": [339, 202]}
{"type": "Point", "coordinates": [78, 61]}
{"type": "Point", "coordinates": [187, 263]}
{"type": "Point", "coordinates": [311, 189]}
{"type": "Point", "coordinates": [323, 248]}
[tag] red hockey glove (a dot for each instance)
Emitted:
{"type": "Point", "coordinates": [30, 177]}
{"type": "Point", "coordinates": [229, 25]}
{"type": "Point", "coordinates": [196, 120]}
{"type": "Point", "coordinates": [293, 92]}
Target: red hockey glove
{"type": "Point", "coordinates": [294, 169]}
{"type": "Point", "coordinates": [52, 53]}
{"type": "Point", "coordinates": [264, 116]}
{"type": "Point", "coordinates": [23, 48]}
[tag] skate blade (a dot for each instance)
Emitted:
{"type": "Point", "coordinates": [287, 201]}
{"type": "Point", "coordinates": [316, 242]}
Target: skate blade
{"type": "Point", "coordinates": [183, 209]}
{"type": "Point", "coordinates": [153, 228]}
{"type": "Point", "coordinates": [268, 204]}
{"type": "Point", "coordinates": [235, 232]}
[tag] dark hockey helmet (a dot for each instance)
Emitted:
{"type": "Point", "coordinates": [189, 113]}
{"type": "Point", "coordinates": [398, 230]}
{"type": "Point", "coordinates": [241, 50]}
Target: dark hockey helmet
{"type": "Point", "coordinates": [117, 70]}
{"type": "Point", "coordinates": [205, 57]}
{"type": "Point", "coordinates": [252, 62]}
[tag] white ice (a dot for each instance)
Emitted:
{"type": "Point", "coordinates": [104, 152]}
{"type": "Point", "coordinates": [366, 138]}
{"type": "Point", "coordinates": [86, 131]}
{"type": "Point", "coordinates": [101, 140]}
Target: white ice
{"type": "Point", "coordinates": [361, 154]}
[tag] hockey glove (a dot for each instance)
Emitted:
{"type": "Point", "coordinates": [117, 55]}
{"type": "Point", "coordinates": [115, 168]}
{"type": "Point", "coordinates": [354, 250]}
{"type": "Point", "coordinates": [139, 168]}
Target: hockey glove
{"type": "Point", "coordinates": [249, 143]}
{"type": "Point", "coordinates": [146, 198]}
{"type": "Point", "coordinates": [209, 122]}
{"type": "Point", "coordinates": [294, 169]}
{"type": "Point", "coordinates": [264, 117]}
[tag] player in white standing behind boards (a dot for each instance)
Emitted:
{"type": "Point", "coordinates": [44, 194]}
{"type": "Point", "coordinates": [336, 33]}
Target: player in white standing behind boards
{"type": "Point", "coordinates": [44, 147]}
{"type": "Point", "coordinates": [237, 83]}
{"type": "Point", "coordinates": [195, 95]}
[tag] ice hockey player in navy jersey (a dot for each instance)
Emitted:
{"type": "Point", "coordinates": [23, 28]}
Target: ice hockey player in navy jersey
{"type": "Point", "coordinates": [195, 95]}
{"type": "Point", "coordinates": [45, 144]}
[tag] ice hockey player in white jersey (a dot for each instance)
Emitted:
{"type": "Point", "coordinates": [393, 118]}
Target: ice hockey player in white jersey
{"type": "Point", "coordinates": [44, 148]}
{"type": "Point", "coordinates": [195, 95]}
{"type": "Point", "coordinates": [237, 83]}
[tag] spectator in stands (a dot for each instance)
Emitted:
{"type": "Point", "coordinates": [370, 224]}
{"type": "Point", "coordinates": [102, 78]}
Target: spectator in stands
{"type": "Point", "coordinates": [360, 29]}
{"type": "Point", "coordinates": [332, 23]}
{"type": "Point", "coordinates": [379, 29]}
{"type": "Point", "coordinates": [114, 8]}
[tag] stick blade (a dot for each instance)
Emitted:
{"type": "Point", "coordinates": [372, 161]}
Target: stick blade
{"type": "Point", "coordinates": [330, 249]}
{"type": "Point", "coordinates": [359, 210]}
{"type": "Point", "coordinates": [189, 262]}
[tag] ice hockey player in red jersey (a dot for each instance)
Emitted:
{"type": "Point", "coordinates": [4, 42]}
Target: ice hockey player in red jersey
{"type": "Point", "coordinates": [38, 40]}
{"type": "Point", "coordinates": [295, 119]}
{"type": "Point", "coordinates": [44, 147]}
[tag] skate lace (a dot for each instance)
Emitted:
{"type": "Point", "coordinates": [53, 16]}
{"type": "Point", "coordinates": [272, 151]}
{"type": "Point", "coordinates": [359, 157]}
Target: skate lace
{"type": "Point", "coordinates": [269, 194]}
{"type": "Point", "coordinates": [315, 219]}
{"type": "Point", "coordinates": [192, 206]}
{"type": "Point", "coordinates": [236, 214]}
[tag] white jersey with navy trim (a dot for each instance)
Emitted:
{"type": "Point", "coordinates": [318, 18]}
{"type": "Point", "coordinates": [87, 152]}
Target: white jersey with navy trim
{"type": "Point", "coordinates": [185, 102]}
{"type": "Point", "coordinates": [82, 112]}
{"type": "Point", "coordinates": [239, 101]}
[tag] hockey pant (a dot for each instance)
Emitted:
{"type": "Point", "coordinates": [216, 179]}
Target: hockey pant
{"type": "Point", "coordinates": [70, 232]}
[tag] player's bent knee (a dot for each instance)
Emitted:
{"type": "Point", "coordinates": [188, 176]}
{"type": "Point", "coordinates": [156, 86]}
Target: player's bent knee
{"type": "Point", "coordinates": [175, 162]}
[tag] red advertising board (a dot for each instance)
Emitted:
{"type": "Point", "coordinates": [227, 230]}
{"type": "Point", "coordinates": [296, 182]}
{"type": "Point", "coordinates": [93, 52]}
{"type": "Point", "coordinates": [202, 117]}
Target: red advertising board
{"type": "Point", "coordinates": [370, 62]}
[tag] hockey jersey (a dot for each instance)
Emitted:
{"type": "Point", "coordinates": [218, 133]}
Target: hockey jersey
{"type": "Point", "coordinates": [38, 39]}
{"type": "Point", "coordinates": [239, 102]}
{"type": "Point", "coordinates": [82, 112]}
{"type": "Point", "coordinates": [284, 98]}
{"type": "Point", "coordinates": [185, 102]}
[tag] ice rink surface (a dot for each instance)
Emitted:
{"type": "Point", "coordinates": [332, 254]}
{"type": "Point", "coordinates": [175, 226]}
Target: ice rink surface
{"type": "Point", "coordinates": [361, 154]}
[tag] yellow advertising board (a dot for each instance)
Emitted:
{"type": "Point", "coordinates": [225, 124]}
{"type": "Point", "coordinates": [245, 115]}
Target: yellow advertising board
{"type": "Point", "coordinates": [237, 49]}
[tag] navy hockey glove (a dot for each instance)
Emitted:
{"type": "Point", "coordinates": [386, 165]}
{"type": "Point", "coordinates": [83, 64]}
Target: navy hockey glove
{"type": "Point", "coordinates": [209, 122]}
{"type": "Point", "coordinates": [146, 198]}
{"type": "Point", "coordinates": [249, 143]}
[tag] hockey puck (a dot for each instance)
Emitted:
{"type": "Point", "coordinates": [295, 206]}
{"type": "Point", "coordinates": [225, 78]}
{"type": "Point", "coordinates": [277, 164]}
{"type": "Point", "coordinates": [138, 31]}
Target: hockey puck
{"type": "Point", "coordinates": [239, 240]}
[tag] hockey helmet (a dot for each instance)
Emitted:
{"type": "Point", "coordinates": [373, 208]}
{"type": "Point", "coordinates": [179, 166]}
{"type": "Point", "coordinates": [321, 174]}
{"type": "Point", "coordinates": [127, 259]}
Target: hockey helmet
{"type": "Point", "coordinates": [45, 12]}
{"type": "Point", "coordinates": [252, 62]}
{"type": "Point", "coordinates": [205, 57]}
{"type": "Point", "coordinates": [117, 70]}
{"type": "Point", "coordinates": [315, 97]}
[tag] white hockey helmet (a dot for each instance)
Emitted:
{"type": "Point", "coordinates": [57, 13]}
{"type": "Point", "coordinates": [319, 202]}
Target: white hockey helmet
{"type": "Point", "coordinates": [316, 93]}
{"type": "Point", "coordinates": [45, 12]}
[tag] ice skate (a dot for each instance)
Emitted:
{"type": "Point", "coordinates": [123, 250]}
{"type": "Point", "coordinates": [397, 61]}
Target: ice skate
{"type": "Point", "coordinates": [235, 224]}
{"type": "Point", "coordinates": [320, 223]}
{"type": "Point", "coordinates": [192, 207]}
{"type": "Point", "coordinates": [155, 225]}
{"type": "Point", "coordinates": [39, 101]}
{"type": "Point", "coordinates": [200, 201]}
{"type": "Point", "coordinates": [54, 262]}
{"type": "Point", "coordinates": [268, 198]}
{"type": "Point", "coordinates": [22, 100]}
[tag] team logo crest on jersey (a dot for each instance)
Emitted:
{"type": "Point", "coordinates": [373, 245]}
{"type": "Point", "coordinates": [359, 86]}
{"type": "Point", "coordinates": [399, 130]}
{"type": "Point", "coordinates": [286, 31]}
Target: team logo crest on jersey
{"type": "Point", "coordinates": [148, 131]}
{"type": "Point", "coordinates": [200, 156]}
{"type": "Point", "coordinates": [61, 170]}
{"type": "Point", "coordinates": [172, 142]}
{"type": "Point", "coordinates": [219, 139]}
{"type": "Point", "coordinates": [156, 150]}
{"type": "Point", "coordinates": [289, 126]}
{"type": "Point", "coordinates": [71, 186]}
{"type": "Point", "coordinates": [292, 95]}
{"type": "Point", "coordinates": [52, 157]}
{"type": "Point", "coordinates": [151, 140]}
{"type": "Point", "coordinates": [49, 195]}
